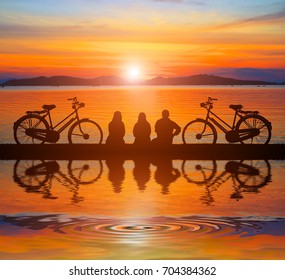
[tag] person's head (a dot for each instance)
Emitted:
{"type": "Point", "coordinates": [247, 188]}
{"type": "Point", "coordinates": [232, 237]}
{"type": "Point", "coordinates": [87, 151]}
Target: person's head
{"type": "Point", "coordinates": [165, 113]}
{"type": "Point", "coordinates": [142, 117]}
{"type": "Point", "coordinates": [117, 116]}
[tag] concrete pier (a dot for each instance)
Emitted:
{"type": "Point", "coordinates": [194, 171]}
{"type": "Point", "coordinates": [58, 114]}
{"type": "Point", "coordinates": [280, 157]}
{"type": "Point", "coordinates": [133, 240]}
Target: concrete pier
{"type": "Point", "coordinates": [129, 151]}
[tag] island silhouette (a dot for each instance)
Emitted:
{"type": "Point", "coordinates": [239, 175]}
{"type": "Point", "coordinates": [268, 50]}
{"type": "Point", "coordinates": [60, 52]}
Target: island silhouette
{"type": "Point", "coordinates": [201, 79]}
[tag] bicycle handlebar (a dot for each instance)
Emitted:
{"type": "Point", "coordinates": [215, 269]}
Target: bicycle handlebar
{"type": "Point", "coordinates": [72, 99]}
{"type": "Point", "coordinates": [75, 103]}
{"type": "Point", "coordinates": [208, 103]}
{"type": "Point", "coordinates": [212, 99]}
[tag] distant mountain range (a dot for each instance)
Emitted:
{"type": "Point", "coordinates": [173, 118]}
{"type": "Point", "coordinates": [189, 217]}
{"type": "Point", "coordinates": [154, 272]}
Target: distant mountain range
{"type": "Point", "coordinates": [201, 79]}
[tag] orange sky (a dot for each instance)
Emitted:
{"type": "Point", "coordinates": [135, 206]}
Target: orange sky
{"type": "Point", "coordinates": [161, 37]}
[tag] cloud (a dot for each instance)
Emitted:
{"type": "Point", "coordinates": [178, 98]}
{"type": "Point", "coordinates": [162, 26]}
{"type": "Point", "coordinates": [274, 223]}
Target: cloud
{"type": "Point", "coordinates": [190, 2]}
{"type": "Point", "coordinates": [58, 29]}
{"type": "Point", "coordinates": [277, 17]}
{"type": "Point", "coordinates": [169, 1]}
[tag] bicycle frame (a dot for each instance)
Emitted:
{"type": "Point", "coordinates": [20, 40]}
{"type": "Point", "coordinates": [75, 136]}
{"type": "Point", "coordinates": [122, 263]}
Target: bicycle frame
{"type": "Point", "coordinates": [222, 125]}
{"type": "Point", "coordinates": [62, 121]}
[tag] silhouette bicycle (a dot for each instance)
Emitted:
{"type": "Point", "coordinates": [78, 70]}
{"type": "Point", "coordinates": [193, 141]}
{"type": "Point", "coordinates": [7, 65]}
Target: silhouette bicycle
{"type": "Point", "coordinates": [250, 128]}
{"type": "Point", "coordinates": [36, 127]}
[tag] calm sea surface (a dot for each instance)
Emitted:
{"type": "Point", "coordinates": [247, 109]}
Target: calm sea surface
{"type": "Point", "coordinates": [143, 208]}
{"type": "Point", "coordinates": [182, 102]}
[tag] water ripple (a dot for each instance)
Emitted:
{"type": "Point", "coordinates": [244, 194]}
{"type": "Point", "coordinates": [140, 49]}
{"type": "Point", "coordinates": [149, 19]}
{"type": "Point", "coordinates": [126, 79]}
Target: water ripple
{"type": "Point", "coordinates": [149, 228]}
{"type": "Point", "coordinates": [159, 227]}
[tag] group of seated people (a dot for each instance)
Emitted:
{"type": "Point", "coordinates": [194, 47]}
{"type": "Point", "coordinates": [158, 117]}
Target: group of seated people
{"type": "Point", "coordinates": [165, 129]}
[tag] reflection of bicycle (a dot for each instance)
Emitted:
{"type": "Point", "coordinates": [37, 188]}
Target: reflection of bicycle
{"type": "Point", "coordinates": [33, 176]}
{"type": "Point", "coordinates": [36, 176]}
{"type": "Point", "coordinates": [199, 172]}
{"type": "Point", "coordinates": [85, 172]}
{"type": "Point", "coordinates": [251, 128]}
{"type": "Point", "coordinates": [247, 176]}
{"type": "Point", "coordinates": [36, 127]}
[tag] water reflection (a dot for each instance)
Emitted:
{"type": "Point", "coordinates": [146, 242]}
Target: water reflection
{"type": "Point", "coordinates": [59, 236]}
{"type": "Point", "coordinates": [142, 172]}
{"type": "Point", "coordinates": [247, 176]}
{"type": "Point", "coordinates": [111, 229]}
{"type": "Point", "coordinates": [116, 174]}
{"type": "Point", "coordinates": [38, 176]}
{"type": "Point", "coordinates": [159, 213]}
{"type": "Point", "coordinates": [165, 173]}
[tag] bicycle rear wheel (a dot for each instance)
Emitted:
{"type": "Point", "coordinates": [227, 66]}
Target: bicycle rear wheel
{"type": "Point", "coordinates": [251, 179]}
{"type": "Point", "coordinates": [25, 125]}
{"type": "Point", "coordinates": [199, 172]}
{"type": "Point", "coordinates": [199, 132]}
{"type": "Point", "coordinates": [85, 132]}
{"type": "Point", "coordinates": [256, 123]}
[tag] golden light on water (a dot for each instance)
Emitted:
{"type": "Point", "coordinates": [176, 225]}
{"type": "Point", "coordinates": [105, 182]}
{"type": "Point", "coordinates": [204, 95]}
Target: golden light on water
{"type": "Point", "coordinates": [141, 208]}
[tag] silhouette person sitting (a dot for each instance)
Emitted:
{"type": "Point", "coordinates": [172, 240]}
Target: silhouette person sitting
{"type": "Point", "coordinates": [142, 131]}
{"type": "Point", "coordinates": [166, 129]}
{"type": "Point", "coordinates": [116, 130]}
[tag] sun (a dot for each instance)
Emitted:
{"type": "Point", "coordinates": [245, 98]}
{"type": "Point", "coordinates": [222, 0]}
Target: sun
{"type": "Point", "coordinates": [133, 73]}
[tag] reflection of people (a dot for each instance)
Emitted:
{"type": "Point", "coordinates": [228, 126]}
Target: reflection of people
{"type": "Point", "coordinates": [141, 172]}
{"type": "Point", "coordinates": [142, 130]}
{"type": "Point", "coordinates": [166, 129]}
{"type": "Point", "coordinates": [165, 174]}
{"type": "Point", "coordinates": [116, 173]}
{"type": "Point", "coordinates": [116, 130]}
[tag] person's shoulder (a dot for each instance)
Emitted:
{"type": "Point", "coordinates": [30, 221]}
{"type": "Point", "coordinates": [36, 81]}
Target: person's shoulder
{"type": "Point", "coordinates": [174, 123]}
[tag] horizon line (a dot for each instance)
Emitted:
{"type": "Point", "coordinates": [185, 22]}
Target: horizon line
{"type": "Point", "coordinates": [137, 81]}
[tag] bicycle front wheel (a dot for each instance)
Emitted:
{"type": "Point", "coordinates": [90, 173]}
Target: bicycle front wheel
{"type": "Point", "coordinates": [254, 129]}
{"type": "Point", "coordinates": [85, 172]}
{"type": "Point", "coordinates": [199, 132]}
{"type": "Point", "coordinates": [85, 132]}
{"type": "Point", "coordinates": [30, 129]}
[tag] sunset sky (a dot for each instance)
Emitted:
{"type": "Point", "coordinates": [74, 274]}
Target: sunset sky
{"type": "Point", "coordinates": [142, 39]}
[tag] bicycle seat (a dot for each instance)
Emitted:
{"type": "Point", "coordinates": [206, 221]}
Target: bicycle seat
{"type": "Point", "coordinates": [48, 107]}
{"type": "Point", "coordinates": [35, 112]}
{"type": "Point", "coordinates": [249, 112]}
{"type": "Point", "coordinates": [235, 107]}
